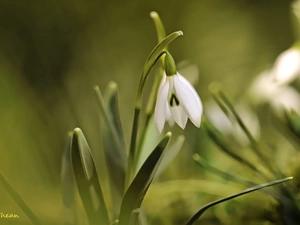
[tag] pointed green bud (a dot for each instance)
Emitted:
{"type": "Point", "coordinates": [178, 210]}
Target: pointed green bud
{"type": "Point", "coordinates": [170, 66]}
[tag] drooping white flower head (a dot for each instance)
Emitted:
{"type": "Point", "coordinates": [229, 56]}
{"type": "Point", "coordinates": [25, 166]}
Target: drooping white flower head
{"type": "Point", "coordinates": [177, 100]}
{"type": "Point", "coordinates": [263, 88]}
{"type": "Point", "coordinates": [287, 66]}
{"type": "Point", "coordinates": [280, 97]}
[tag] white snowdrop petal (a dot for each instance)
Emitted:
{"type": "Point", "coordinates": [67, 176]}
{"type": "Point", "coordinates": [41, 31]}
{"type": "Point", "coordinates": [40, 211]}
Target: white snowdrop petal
{"type": "Point", "coordinates": [287, 66]}
{"type": "Point", "coordinates": [160, 107]}
{"type": "Point", "coordinates": [169, 117]}
{"type": "Point", "coordinates": [189, 99]}
{"type": "Point", "coordinates": [179, 116]}
{"type": "Point", "coordinates": [287, 99]}
{"type": "Point", "coordinates": [163, 81]}
{"type": "Point", "coordinates": [263, 88]}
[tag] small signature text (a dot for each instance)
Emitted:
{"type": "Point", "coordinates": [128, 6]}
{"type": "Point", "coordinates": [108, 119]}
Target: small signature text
{"type": "Point", "coordinates": [9, 216]}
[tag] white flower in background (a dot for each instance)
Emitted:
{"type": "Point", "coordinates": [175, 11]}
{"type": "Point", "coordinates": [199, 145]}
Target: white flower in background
{"type": "Point", "coordinates": [280, 97]}
{"type": "Point", "coordinates": [287, 66]}
{"type": "Point", "coordinates": [177, 100]}
{"type": "Point", "coordinates": [263, 88]}
{"type": "Point", "coordinates": [230, 127]}
{"type": "Point", "coordinates": [287, 99]}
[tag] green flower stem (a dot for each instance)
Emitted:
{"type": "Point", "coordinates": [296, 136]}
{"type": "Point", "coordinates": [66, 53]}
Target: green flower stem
{"type": "Point", "coordinates": [161, 34]}
{"type": "Point", "coordinates": [142, 138]}
{"type": "Point", "coordinates": [149, 112]}
{"type": "Point", "coordinates": [131, 157]}
{"type": "Point", "coordinates": [156, 53]}
{"type": "Point", "coordinates": [138, 101]}
{"type": "Point", "coordinates": [18, 199]}
{"type": "Point", "coordinates": [154, 56]}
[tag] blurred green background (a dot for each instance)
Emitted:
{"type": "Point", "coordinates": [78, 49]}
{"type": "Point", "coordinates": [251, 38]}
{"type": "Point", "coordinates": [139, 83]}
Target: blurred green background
{"type": "Point", "coordinates": [53, 52]}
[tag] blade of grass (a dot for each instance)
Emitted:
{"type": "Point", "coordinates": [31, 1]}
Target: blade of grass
{"type": "Point", "coordinates": [19, 200]}
{"type": "Point", "coordinates": [138, 188]}
{"type": "Point", "coordinates": [107, 119]}
{"type": "Point", "coordinates": [112, 103]}
{"type": "Point", "coordinates": [68, 184]}
{"type": "Point", "coordinates": [226, 146]}
{"type": "Point", "coordinates": [87, 180]}
{"type": "Point", "coordinates": [197, 215]}
{"type": "Point", "coordinates": [218, 93]}
{"type": "Point", "coordinates": [226, 176]}
{"type": "Point", "coordinates": [115, 158]}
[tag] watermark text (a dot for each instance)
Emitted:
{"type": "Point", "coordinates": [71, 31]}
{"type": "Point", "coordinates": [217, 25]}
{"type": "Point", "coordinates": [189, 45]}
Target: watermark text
{"type": "Point", "coordinates": [9, 216]}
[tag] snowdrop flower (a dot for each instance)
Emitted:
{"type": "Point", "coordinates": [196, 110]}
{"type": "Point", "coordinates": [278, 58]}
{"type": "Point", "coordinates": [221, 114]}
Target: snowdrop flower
{"type": "Point", "coordinates": [288, 99]}
{"type": "Point", "coordinates": [280, 97]}
{"type": "Point", "coordinates": [177, 100]}
{"type": "Point", "coordinates": [263, 88]}
{"type": "Point", "coordinates": [287, 66]}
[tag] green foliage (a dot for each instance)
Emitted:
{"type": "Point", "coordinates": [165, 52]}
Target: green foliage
{"type": "Point", "coordinates": [116, 192]}
{"type": "Point", "coordinates": [87, 179]}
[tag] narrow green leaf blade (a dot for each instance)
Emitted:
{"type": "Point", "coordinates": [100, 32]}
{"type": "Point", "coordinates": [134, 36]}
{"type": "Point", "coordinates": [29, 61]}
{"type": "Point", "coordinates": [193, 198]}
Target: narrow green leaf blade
{"type": "Point", "coordinates": [138, 188]}
{"type": "Point", "coordinates": [87, 180]}
{"type": "Point", "coordinates": [160, 30]}
{"type": "Point", "coordinates": [170, 154]}
{"type": "Point", "coordinates": [19, 200]}
{"type": "Point", "coordinates": [107, 119]}
{"type": "Point", "coordinates": [68, 184]}
{"type": "Point", "coordinates": [249, 190]}
{"type": "Point", "coordinates": [226, 146]}
{"type": "Point", "coordinates": [112, 103]}
{"type": "Point", "coordinates": [226, 176]}
{"type": "Point", "coordinates": [115, 157]}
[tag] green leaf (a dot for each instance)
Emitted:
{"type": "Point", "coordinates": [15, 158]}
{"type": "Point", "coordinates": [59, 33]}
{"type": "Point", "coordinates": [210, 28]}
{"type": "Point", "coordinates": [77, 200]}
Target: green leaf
{"type": "Point", "coordinates": [115, 157]}
{"type": "Point", "coordinates": [108, 120]}
{"type": "Point", "coordinates": [87, 180]}
{"type": "Point", "coordinates": [170, 154]}
{"type": "Point", "coordinates": [148, 141]}
{"type": "Point", "coordinates": [223, 101]}
{"type": "Point", "coordinates": [112, 103]}
{"type": "Point", "coordinates": [18, 199]}
{"type": "Point", "coordinates": [160, 30]}
{"type": "Point", "coordinates": [226, 146]}
{"type": "Point", "coordinates": [142, 216]}
{"type": "Point", "coordinates": [68, 184]}
{"type": "Point", "coordinates": [138, 188]}
{"type": "Point", "coordinates": [197, 215]}
{"type": "Point", "coordinates": [226, 176]}
{"type": "Point", "coordinates": [151, 60]}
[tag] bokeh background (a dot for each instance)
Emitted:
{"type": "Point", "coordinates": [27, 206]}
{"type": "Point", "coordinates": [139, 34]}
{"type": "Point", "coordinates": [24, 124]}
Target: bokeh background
{"type": "Point", "coordinates": [52, 53]}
